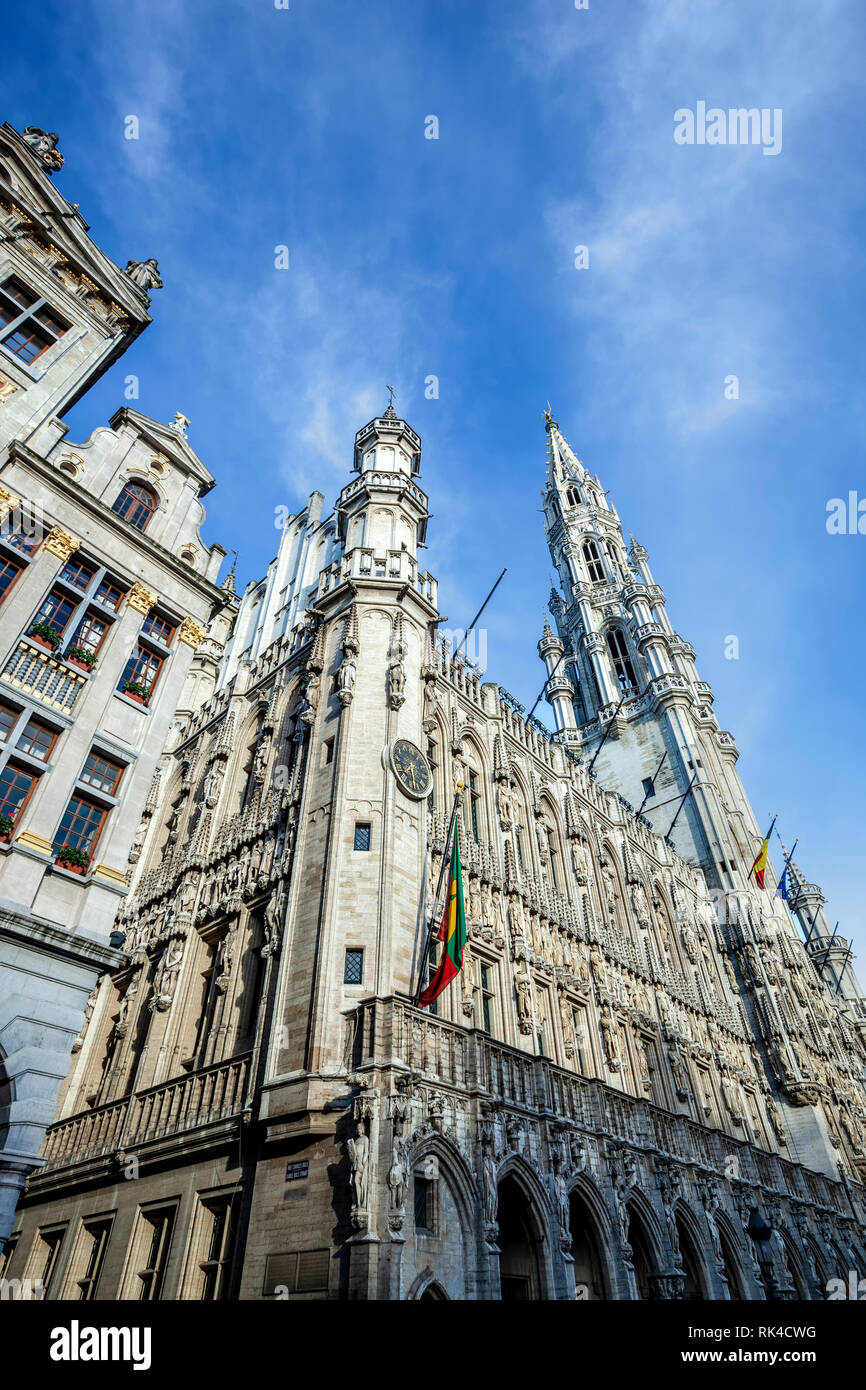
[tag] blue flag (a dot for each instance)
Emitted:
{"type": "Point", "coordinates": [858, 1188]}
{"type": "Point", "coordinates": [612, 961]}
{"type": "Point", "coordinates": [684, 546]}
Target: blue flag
{"type": "Point", "coordinates": [782, 889]}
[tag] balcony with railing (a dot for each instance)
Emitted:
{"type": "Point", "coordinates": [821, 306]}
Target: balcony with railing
{"type": "Point", "coordinates": [35, 672]}
{"type": "Point", "coordinates": [470, 1062]}
{"type": "Point", "coordinates": [187, 1102]}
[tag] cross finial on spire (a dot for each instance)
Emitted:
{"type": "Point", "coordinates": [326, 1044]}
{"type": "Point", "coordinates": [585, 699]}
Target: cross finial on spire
{"type": "Point", "coordinates": [391, 394]}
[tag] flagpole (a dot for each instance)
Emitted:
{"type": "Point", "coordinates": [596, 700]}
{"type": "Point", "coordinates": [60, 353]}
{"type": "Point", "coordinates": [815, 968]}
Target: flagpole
{"type": "Point", "coordinates": [681, 805]}
{"type": "Point", "coordinates": [606, 732]}
{"type": "Point", "coordinates": [446, 861]}
{"type": "Point", "coordinates": [787, 862]}
{"type": "Point", "coordinates": [480, 611]}
{"type": "Point", "coordinates": [653, 779]}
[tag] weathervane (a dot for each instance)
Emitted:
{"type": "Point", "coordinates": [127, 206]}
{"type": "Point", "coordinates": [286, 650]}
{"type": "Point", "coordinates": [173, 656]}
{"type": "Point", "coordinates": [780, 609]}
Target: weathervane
{"type": "Point", "coordinates": [390, 390]}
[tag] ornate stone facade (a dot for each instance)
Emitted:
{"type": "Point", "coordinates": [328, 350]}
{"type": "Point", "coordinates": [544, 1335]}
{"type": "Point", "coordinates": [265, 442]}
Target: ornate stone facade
{"type": "Point", "coordinates": [641, 1086]}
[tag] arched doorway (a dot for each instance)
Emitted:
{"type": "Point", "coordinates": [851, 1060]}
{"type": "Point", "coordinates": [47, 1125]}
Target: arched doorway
{"type": "Point", "coordinates": [434, 1293]}
{"type": "Point", "coordinates": [589, 1269]}
{"type": "Point", "coordinates": [736, 1288]}
{"type": "Point", "coordinates": [690, 1263]}
{"type": "Point", "coordinates": [642, 1258]}
{"type": "Point", "coordinates": [518, 1259]}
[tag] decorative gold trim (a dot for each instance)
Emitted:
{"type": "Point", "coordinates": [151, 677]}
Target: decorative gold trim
{"type": "Point", "coordinates": [113, 875]}
{"type": "Point", "coordinates": [31, 841]}
{"type": "Point", "coordinates": [61, 543]}
{"type": "Point", "coordinates": [8, 503]}
{"type": "Point", "coordinates": [141, 599]}
{"type": "Point", "coordinates": [192, 633]}
{"type": "Point", "coordinates": [7, 389]}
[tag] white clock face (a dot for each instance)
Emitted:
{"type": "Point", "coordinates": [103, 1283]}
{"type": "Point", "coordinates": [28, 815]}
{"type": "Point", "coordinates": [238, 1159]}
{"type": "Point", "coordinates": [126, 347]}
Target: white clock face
{"type": "Point", "coordinates": [411, 769]}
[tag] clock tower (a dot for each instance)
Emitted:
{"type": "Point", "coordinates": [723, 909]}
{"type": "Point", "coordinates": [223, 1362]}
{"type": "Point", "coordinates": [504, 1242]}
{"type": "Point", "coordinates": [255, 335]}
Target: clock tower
{"type": "Point", "coordinates": [361, 823]}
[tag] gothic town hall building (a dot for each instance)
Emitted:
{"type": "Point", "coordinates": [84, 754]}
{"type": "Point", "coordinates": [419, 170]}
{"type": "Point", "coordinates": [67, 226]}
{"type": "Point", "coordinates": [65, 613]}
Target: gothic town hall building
{"type": "Point", "coordinates": [646, 1082]}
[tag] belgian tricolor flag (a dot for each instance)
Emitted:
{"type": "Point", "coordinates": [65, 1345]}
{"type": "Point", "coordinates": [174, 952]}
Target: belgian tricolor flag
{"type": "Point", "coordinates": [452, 932]}
{"type": "Point", "coordinates": [759, 867]}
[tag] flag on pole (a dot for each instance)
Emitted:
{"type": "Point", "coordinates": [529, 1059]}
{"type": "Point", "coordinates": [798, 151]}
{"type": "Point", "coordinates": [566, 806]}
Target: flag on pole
{"type": "Point", "coordinates": [760, 865]}
{"type": "Point", "coordinates": [782, 888]}
{"type": "Point", "coordinates": [452, 932]}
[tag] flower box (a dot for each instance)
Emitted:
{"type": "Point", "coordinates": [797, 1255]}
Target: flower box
{"type": "Point", "coordinates": [45, 635]}
{"type": "Point", "coordinates": [81, 657]}
{"type": "Point", "coordinates": [136, 690]}
{"type": "Point", "coordinates": [71, 858]}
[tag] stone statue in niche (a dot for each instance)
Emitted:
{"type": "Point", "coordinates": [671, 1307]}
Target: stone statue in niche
{"type": "Point", "coordinates": [397, 675]}
{"type": "Point", "coordinates": [359, 1160]}
{"type": "Point", "coordinates": [398, 1174]}
{"type": "Point", "coordinates": [524, 1005]}
{"type": "Point", "coordinates": [88, 1014]}
{"type": "Point", "coordinates": [346, 676]}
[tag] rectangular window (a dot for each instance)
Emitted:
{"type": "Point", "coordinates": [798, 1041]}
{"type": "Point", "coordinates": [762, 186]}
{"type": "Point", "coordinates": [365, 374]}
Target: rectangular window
{"type": "Point", "coordinates": [76, 574]}
{"type": "Point", "coordinates": [110, 594]}
{"type": "Point", "coordinates": [152, 1275]}
{"type": "Point", "coordinates": [303, 1271]}
{"type": "Point", "coordinates": [56, 610]}
{"type": "Point", "coordinates": [8, 718]}
{"type": "Point", "coordinates": [423, 1203]}
{"type": "Point", "coordinates": [89, 633]}
{"type": "Point", "coordinates": [551, 850]}
{"type": "Point", "coordinates": [9, 572]}
{"type": "Point", "coordinates": [519, 838]}
{"type": "Point", "coordinates": [353, 970]}
{"type": "Point", "coordinates": [31, 326]}
{"type": "Point", "coordinates": [362, 836]}
{"type": "Point", "coordinates": [46, 1258]}
{"type": "Point", "coordinates": [327, 752]}
{"type": "Point", "coordinates": [143, 666]}
{"type": "Point", "coordinates": [81, 825]}
{"type": "Point", "coordinates": [219, 1234]}
{"type": "Point", "coordinates": [486, 998]}
{"type": "Point", "coordinates": [37, 740]}
{"type": "Point", "coordinates": [474, 798]}
{"type": "Point", "coordinates": [22, 539]}
{"type": "Point", "coordinates": [101, 773]}
{"type": "Point", "coordinates": [15, 787]}
{"type": "Point", "coordinates": [160, 628]}
{"type": "Point", "coordinates": [97, 1233]}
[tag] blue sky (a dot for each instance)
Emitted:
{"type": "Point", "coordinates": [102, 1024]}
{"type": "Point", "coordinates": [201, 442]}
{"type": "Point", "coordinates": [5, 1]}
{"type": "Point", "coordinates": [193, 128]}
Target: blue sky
{"type": "Point", "coordinates": [455, 257]}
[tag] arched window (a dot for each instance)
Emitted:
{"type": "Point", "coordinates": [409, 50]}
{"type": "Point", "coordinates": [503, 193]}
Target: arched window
{"type": "Point", "coordinates": [136, 504]}
{"type": "Point", "coordinates": [573, 497]}
{"type": "Point", "coordinates": [620, 658]}
{"type": "Point", "coordinates": [593, 562]}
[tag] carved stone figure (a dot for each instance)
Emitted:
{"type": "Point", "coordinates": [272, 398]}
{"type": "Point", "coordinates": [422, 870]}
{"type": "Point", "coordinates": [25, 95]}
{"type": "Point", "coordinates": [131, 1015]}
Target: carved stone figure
{"type": "Point", "coordinates": [524, 1005]}
{"type": "Point", "coordinates": [359, 1159]}
{"type": "Point", "coordinates": [396, 675]}
{"type": "Point", "coordinates": [145, 274]}
{"type": "Point", "coordinates": [398, 1173]}
{"type": "Point", "coordinates": [491, 1190]}
{"type": "Point", "coordinates": [346, 678]}
{"type": "Point", "coordinates": [88, 1014]}
{"type": "Point", "coordinates": [43, 143]}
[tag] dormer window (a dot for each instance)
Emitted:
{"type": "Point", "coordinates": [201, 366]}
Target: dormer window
{"type": "Point", "coordinates": [30, 325]}
{"type": "Point", "coordinates": [136, 504]}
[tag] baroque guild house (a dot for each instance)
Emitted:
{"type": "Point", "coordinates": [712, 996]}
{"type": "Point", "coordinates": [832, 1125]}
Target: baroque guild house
{"type": "Point", "coordinates": [647, 1080]}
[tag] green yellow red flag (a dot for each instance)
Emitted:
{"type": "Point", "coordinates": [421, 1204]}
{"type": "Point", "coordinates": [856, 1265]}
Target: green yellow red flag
{"type": "Point", "coordinates": [452, 932]}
